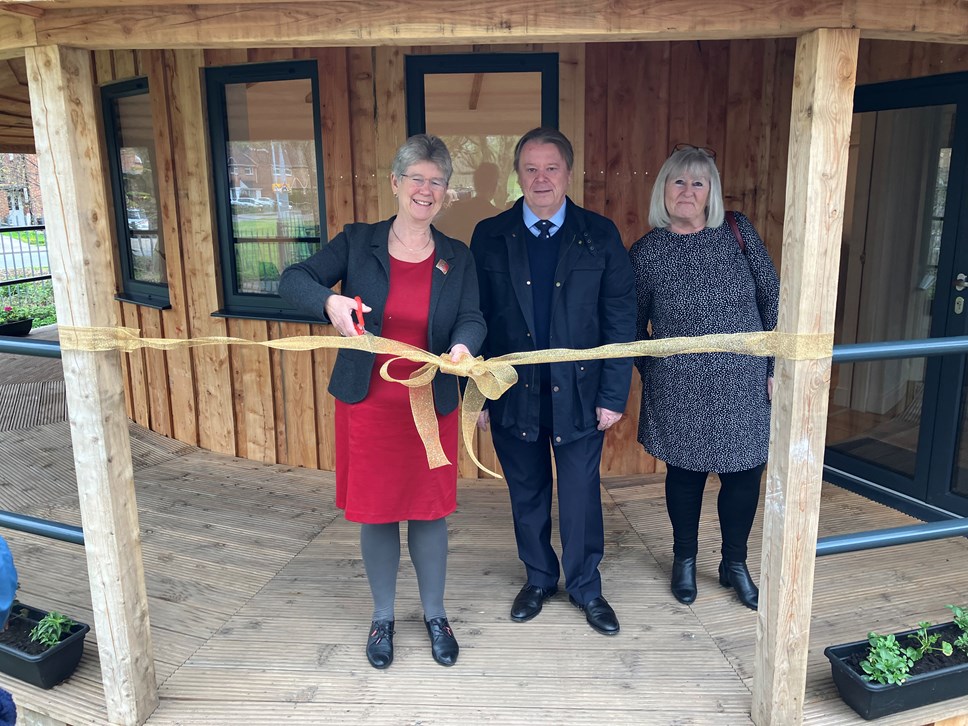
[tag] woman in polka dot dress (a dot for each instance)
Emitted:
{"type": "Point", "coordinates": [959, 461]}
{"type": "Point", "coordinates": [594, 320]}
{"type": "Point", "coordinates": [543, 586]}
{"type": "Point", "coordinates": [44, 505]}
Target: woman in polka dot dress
{"type": "Point", "coordinates": [705, 412]}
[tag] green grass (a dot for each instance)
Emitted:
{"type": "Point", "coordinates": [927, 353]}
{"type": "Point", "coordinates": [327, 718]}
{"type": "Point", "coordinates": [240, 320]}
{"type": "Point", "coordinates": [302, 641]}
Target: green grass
{"type": "Point", "coordinates": [36, 237]}
{"type": "Point", "coordinates": [255, 228]}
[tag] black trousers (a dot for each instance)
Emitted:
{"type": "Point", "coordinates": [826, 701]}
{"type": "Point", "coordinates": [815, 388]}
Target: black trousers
{"type": "Point", "coordinates": [527, 469]}
{"type": "Point", "coordinates": [738, 499]}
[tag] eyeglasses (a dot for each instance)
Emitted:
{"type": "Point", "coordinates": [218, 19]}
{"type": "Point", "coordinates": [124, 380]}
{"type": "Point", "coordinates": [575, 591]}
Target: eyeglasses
{"type": "Point", "coordinates": [438, 185]}
{"type": "Point", "coordinates": [711, 153]}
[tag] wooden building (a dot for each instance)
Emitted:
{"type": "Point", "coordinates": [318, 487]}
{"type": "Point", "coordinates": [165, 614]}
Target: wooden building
{"type": "Point", "coordinates": [190, 150]}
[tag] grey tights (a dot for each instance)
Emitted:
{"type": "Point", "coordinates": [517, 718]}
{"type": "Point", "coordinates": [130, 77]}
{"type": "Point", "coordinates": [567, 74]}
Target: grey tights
{"type": "Point", "coordinates": [427, 542]}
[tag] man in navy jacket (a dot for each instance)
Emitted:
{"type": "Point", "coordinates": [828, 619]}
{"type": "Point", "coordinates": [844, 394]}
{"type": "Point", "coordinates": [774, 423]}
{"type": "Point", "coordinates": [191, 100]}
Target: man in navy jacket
{"type": "Point", "coordinates": [554, 275]}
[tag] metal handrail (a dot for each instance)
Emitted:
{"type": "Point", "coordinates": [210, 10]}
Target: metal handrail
{"type": "Point", "coordinates": [43, 527]}
{"type": "Point", "coordinates": [874, 539]}
{"type": "Point", "coordinates": [923, 347]}
{"type": "Point", "coordinates": [36, 348]}
{"type": "Point", "coordinates": [27, 228]}
{"type": "Point", "coordinates": [24, 280]}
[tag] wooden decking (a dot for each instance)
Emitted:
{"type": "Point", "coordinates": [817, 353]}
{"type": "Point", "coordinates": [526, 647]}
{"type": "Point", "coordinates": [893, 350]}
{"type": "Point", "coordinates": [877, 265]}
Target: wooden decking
{"type": "Point", "coordinates": [259, 604]}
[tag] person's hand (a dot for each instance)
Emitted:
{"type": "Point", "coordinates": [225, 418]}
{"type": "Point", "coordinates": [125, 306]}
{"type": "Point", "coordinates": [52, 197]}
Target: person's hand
{"type": "Point", "coordinates": [769, 388]}
{"type": "Point", "coordinates": [606, 418]}
{"type": "Point", "coordinates": [483, 419]}
{"type": "Point", "coordinates": [459, 351]}
{"type": "Point", "coordinates": [339, 310]}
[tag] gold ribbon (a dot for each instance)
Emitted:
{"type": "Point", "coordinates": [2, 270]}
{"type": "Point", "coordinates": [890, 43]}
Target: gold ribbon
{"type": "Point", "coordinates": [487, 379]}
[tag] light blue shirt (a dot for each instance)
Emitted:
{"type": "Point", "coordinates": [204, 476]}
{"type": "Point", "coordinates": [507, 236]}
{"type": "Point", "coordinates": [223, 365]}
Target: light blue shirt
{"type": "Point", "coordinates": [557, 219]}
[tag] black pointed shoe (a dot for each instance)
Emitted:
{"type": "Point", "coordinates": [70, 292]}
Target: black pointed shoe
{"type": "Point", "coordinates": [684, 580]}
{"type": "Point", "coordinates": [379, 646]}
{"type": "Point", "coordinates": [443, 644]}
{"type": "Point", "coordinates": [529, 600]}
{"type": "Point", "coordinates": [599, 615]}
{"type": "Point", "coordinates": [737, 576]}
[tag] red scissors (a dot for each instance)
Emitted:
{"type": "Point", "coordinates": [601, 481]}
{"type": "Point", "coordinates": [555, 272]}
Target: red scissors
{"type": "Point", "coordinates": [359, 325]}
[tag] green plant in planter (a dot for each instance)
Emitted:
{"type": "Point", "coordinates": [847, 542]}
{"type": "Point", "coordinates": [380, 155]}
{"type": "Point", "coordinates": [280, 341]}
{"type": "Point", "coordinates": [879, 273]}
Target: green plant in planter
{"type": "Point", "coordinates": [887, 661]}
{"type": "Point", "coordinates": [13, 314]}
{"type": "Point", "coordinates": [51, 628]}
{"type": "Point", "coordinates": [961, 620]}
{"type": "Point", "coordinates": [926, 643]}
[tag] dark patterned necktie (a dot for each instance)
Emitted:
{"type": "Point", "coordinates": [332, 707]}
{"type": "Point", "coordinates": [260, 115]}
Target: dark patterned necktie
{"type": "Point", "coordinates": [545, 226]}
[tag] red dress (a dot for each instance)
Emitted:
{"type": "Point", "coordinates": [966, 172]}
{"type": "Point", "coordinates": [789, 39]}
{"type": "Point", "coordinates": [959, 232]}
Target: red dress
{"type": "Point", "coordinates": [382, 473]}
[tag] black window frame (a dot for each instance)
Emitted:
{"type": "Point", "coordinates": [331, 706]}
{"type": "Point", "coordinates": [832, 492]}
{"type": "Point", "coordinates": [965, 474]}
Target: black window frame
{"type": "Point", "coordinates": [418, 66]}
{"type": "Point", "coordinates": [247, 305]}
{"type": "Point", "coordinates": [154, 295]}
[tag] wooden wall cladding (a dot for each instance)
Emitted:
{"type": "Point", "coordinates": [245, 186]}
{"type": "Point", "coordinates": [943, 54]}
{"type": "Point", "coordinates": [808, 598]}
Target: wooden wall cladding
{"type": "Point", "coordinates": [891, 60]}
{"type": "Point", "coordinates": [644, 98]}
{"type": "Point", "coordinates": [624, 105]}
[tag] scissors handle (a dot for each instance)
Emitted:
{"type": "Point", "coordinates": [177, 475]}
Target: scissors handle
{"type": "Point", "coordinates": [359, 324]}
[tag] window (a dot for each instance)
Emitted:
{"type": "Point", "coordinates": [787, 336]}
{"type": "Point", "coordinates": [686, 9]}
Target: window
{"type": "Point", "coordinates": [131, 160]}
{"type": "Point", "coordinates": [265, 130]}
{"type": "Point", "coordinates": [480, 104]}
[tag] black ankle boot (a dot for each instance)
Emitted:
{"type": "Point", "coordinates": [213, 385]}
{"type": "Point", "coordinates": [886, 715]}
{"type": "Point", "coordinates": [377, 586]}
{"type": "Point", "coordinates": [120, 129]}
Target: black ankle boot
{"type": "Point", "coordinates": [684, 579]}
{"type": "Point", "coordinates": [737, 576]}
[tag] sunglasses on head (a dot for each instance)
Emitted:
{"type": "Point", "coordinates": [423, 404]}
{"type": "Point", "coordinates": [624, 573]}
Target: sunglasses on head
{"type": "Point", "coordinates": [711, 153]}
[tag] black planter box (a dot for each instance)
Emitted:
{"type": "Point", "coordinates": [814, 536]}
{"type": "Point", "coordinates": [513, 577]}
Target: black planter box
{"type": "Point", "coordinates": [49, 668]}
{"type": "Point", "coordinates": [873, 700]}
{"type": "Point", "coordinates": [19, 328]}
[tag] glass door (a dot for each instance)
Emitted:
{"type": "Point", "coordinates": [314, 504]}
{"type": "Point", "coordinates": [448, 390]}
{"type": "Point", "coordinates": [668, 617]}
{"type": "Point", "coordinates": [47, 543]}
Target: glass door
{"type": "Point", "coordinates": [895, 426]}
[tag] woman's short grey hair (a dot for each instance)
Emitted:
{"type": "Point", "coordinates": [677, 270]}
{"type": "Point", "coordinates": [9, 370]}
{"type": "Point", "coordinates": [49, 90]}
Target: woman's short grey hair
{"type": "Point", "coordinates": [420, 148]}
{"type": "Point", "coordinates": [697, 163]}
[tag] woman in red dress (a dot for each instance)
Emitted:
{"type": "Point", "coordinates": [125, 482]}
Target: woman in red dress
{"type": "Point", "coordinates": [418, 286]}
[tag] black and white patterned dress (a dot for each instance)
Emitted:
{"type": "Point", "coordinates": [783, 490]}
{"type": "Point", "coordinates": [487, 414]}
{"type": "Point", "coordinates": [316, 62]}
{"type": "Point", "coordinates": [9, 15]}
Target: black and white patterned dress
{"type": "Point", "coordinates": [705, 411]}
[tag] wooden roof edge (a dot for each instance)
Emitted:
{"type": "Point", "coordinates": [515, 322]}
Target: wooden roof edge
{"type": "Point", "coordinates": [134, 24]}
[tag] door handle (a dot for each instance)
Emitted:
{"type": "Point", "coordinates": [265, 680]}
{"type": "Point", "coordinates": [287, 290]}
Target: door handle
{"type": "Point", "coordinates": [961, 281]}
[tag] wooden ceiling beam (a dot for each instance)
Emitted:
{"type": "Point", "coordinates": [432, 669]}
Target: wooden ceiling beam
{"type": "Point", "coordinates": [263, 24]}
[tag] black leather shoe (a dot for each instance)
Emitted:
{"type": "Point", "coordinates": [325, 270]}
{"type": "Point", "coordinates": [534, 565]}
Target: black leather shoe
{"type": "Point", "coordinates": [528, 602]}
{"type": "Point", "coordinates": [379, 646]}
{"type": "Point", "coordinates": [443, 644]}
{"type": "Point", "coordinates": [684, 580]}
{"type": "Point", "coordinates": [737, 576]}
{"type": "Point", "coordinates": [599, 615]}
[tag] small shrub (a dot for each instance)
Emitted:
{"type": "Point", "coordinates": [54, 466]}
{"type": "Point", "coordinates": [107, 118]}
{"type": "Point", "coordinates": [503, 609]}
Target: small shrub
{"type": "Point", "coordinates": [51, 629]}
{"type": "Point", "coordinates": [926, 643]}
{"type": "Point", "coordinates": [961, 620]}
{"type": "Point", "coordinates": [887, 662]}
{"type": "Point", "coordinates": [13, 313]}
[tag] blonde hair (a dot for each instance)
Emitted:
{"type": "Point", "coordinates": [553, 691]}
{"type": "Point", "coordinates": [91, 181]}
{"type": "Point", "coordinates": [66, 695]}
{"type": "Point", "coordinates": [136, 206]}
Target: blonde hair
{"type": "Point", "coordinates": [699, 163]}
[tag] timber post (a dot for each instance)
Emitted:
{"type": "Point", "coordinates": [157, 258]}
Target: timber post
{"type": "Point", "coordinates": [81, 254]}
{"type": "Point", "coordinates": [822, 109]}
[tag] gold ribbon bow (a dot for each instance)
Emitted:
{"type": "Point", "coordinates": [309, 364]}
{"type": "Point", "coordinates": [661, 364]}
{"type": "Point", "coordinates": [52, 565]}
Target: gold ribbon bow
{"type": "Point", "coordinates": [485, 380]}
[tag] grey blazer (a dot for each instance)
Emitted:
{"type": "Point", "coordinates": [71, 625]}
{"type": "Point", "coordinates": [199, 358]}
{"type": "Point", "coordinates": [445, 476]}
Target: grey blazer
{"type": "Point", "coordinates": [359, 258]}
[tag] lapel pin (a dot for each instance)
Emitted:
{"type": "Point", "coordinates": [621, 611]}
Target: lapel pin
{"type": "Point", "coordinates": [443, 266]}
